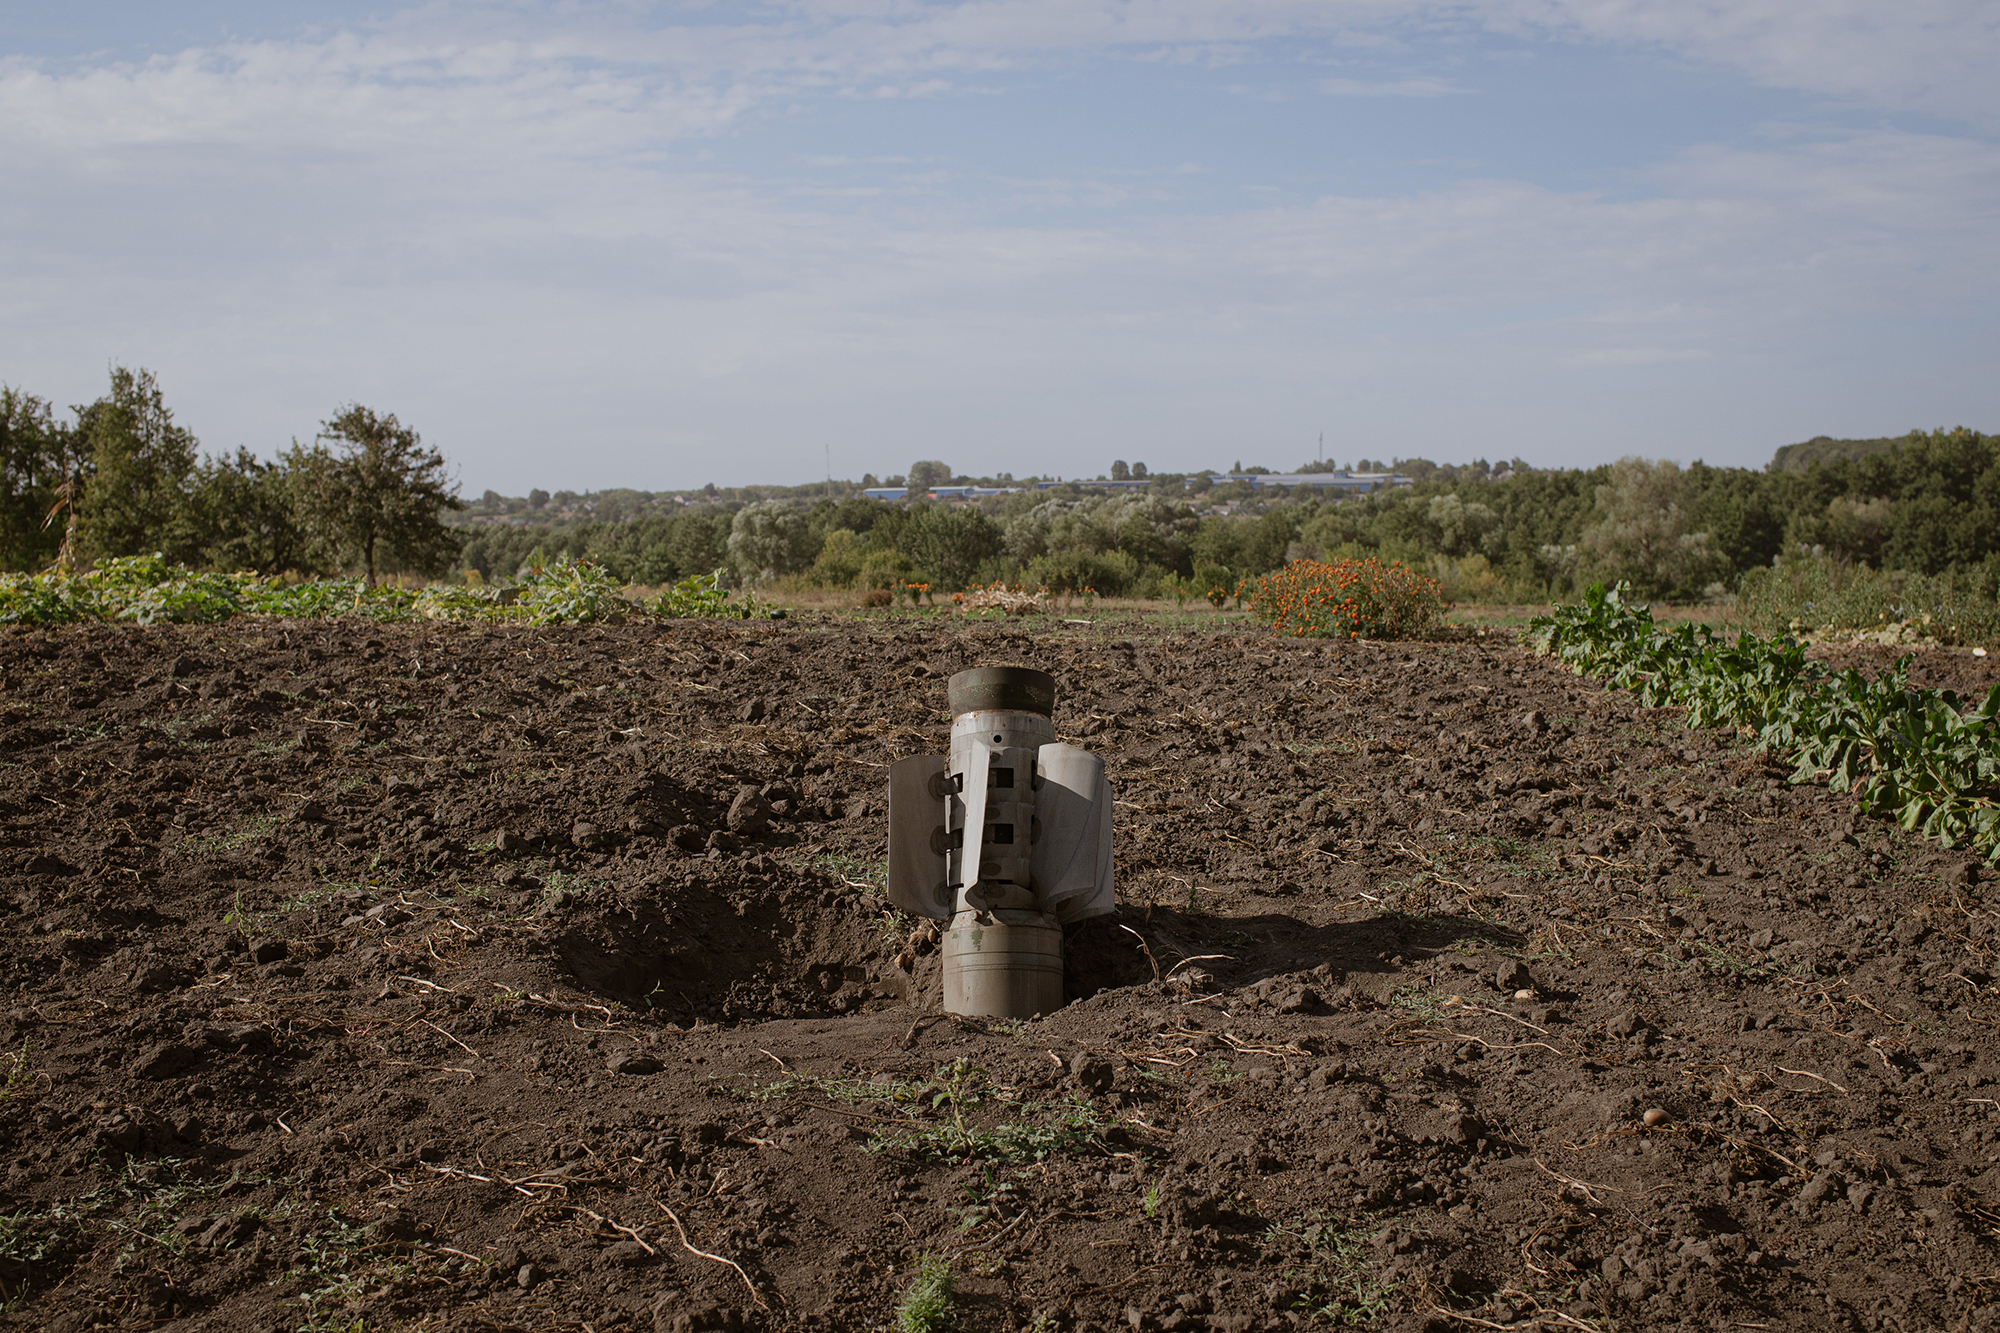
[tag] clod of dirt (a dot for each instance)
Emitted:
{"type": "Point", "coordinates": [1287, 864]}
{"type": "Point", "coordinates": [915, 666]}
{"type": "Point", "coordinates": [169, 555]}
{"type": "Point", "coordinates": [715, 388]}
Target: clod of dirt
{"type": "Point", "coordinates": [1091, 1074]}
{"type": "Point", "coordinates": [1625, 1026]}
{"type": "Point", "coordinates": [749, 813]}
{"type": "Point", "coordinates": [1513, 975]}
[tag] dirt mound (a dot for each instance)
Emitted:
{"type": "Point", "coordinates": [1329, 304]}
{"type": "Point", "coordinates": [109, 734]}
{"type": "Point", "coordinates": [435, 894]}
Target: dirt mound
{"type": "Point", "coordinates": [505, 978]}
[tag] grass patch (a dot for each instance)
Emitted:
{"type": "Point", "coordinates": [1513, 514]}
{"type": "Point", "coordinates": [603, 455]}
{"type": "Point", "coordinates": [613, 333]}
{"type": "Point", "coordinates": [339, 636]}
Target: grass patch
{"type": "Point", "coordinates": [138, 1210]}
{"type": "Point", "coordinates": [229, 842]}
{"type": "Point", "coordinates": [962, 1115]}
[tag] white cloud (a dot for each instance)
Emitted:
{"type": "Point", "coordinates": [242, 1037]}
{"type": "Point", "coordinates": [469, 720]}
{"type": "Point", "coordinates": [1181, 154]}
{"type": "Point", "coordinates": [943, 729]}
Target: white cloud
{"type": "Point", "coordinates": [1635, 356]}
{"type": "Point", "coordinates": [1934, 56]}
{"type": "Point", "coordinates": [1389, 88]}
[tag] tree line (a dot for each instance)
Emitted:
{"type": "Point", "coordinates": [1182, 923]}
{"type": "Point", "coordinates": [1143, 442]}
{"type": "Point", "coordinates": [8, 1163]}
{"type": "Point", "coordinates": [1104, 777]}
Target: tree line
{"type": "Point", "coordinates": [1928, 502]}
{"type": "Point", "coordinates": [119, 477]}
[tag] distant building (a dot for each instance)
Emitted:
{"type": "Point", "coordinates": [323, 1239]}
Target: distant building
{"type": "Point", "coordinates": [898, 494]}
{"type": "Point", "coordinates": [1356, 482]}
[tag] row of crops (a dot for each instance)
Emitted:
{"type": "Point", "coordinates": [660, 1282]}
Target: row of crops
{"type": "Point", "coordinates": [147, 590]}
{"type": "Point", "coordinates": [1918, 755]}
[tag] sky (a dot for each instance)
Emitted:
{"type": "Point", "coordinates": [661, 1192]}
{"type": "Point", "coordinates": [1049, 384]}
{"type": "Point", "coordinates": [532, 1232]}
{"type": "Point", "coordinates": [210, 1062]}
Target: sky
{"type": "Point", "coordinates": [603, 243]}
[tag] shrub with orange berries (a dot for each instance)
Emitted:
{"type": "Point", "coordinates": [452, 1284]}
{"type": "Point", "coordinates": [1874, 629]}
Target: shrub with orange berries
{"type": "Point", "coordinates": [1346, 599]}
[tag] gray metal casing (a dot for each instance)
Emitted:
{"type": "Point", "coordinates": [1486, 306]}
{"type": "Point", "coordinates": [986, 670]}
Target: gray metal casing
{"type": "Point", "coordinates": [1058, 809]}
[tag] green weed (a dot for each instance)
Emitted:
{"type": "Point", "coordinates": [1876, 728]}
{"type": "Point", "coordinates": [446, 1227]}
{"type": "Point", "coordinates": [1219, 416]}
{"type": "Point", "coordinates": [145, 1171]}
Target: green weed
{"type": "Point", "coordinates": [853, 871]}
{"type": "Point", "coordinates": [985, 1198]}
{"type": "Point", "coordinates": [927, 1305]}
{"type": "Point", "coordinates": [18, 1077]}
{"type": "Point", "coordinates": [973, 1119]}
{"type": "Point", "coordinates": [1341, 1283]}
{"type": "Point", "coordinates": [229, 842]}
{"type": "Point", "coordinates": [245, 922]}
{"type": "Point", "coordinates": [1419, 1001]}
{"type": "Point", "coordinates": [339, 1262]}
{"type": "Point", "coordinates": [1719, 960]}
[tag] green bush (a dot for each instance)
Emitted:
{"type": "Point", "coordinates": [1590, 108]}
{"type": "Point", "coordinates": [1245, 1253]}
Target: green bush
{"type": "Point", "coordinates": [46, 599]}
{"type": "Point", "coordinates": [1821, 594]}
{"type": "Point", "coordinates": [1107, 573]}
{"type": "Point", "coordinates": [570, 592]}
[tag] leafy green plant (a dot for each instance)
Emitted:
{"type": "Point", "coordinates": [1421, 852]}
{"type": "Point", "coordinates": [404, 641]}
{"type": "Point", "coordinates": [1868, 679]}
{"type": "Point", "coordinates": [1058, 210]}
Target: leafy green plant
{"type": "Point", "coordinates": [46, 599]}
{"type": "Point", "coordinates": [984, 1199]}
{"type": "Point", "coordinates": [147, 591]}
{"type": "Point", "coordinates": [1917, 755]}
{"type": "Point", "coordinates": [570, 592]}
{"type": "Point", "coordinates": [927, 1305]}
{"type": "Point", "coordinates": [703, 596]}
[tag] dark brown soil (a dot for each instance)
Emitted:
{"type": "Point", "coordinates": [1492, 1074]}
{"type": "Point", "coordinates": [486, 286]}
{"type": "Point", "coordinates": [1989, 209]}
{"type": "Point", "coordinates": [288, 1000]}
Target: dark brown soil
{"type": "Point", "coordinates": [360, 977]}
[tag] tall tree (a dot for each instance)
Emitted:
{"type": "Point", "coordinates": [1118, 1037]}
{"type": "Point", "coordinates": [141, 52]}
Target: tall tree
{"type": "Point", "coordinates": [947, 544]}
{"type": "Point", "coordinates": [769, 540]}
{"type": "Point", "coordinates": [1644, 533]}
{"type": "Point", "coordinates": [41, 463]}
{"type": "Point", "coordinates": [369, 488]}
{"type": "Point", "coordinates": [138, 466]}
{"type": "Point", "coordinates": [243, 513]}
{"type": "Point", "coordinates": [926, 473]}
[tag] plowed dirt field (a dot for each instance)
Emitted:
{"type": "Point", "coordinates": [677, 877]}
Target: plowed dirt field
{"type": "Point", "coordinates": [359, 977]}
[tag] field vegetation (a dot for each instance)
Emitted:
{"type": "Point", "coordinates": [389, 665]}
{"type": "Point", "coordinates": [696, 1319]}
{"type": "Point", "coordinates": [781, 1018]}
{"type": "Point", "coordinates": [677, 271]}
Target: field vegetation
{"type": "Point", "coordinates": [1899, 538]}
